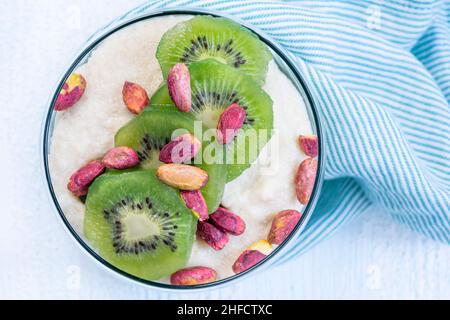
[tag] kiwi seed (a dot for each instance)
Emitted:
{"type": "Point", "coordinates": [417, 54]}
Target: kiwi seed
{"type": "Point", "coordinates": [147, 145]}
{"type": "Point", "coordinates": [215, 100]}
{"type": "Point", "coordinates": [202, 46]}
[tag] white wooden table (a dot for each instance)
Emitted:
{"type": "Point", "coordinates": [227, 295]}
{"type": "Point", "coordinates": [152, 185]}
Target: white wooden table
{"type": "Point", "coordinates": [371, 258]}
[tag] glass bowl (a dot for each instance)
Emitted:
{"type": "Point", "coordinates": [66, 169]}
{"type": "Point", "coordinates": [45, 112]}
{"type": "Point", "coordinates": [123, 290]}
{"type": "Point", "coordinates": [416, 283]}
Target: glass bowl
{"type": "Point", "coordinates": [285, 63]}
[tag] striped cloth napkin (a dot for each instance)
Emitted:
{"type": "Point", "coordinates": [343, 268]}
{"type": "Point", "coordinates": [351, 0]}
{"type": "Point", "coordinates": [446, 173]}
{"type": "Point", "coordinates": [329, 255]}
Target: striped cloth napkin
{"type": "Point", "coordinates": [380, 70]}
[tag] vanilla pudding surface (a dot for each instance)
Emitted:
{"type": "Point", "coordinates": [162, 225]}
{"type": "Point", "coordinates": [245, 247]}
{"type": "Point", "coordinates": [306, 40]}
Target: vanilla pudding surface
{"type": "Point", "coordinates": [87, 130]}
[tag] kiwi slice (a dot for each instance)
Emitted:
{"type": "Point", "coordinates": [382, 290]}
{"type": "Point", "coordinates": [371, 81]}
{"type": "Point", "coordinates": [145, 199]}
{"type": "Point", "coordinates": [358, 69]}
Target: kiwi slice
{"type": "Point", "coordinates": [215, 86]}
{"type": "Point", "coordinates": [221, 39]}
{"type": "Point", "coordinates": [153, 129]}
{"type": "Point", "coordinates": [138, 224]}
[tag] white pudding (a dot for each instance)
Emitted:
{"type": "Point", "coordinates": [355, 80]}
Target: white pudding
{"type": "Point", "coordinates": [87, 130]}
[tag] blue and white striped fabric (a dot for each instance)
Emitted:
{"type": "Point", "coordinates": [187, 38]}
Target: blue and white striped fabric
{"type": "Point", "coordinates": [380, 70]}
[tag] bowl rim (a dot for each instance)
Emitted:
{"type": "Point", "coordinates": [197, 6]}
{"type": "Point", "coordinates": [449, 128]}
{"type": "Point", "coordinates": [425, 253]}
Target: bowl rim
{"type": "Point", "coordinates": [93, 42]}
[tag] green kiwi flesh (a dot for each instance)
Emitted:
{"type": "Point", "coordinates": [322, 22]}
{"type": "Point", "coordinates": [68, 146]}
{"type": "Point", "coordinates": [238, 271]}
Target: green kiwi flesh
{"type": "Point", "coordinates": [151, 130]}
{"type": "Point", "coordinates": [205, 37]}
{"type": "Point", "coordinates": [138, 224]}
{"type": "Point", "coordinates": [215, 86]}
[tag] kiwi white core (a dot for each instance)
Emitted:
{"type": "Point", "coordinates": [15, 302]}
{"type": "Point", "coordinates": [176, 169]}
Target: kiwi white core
{"type": "Point", "coordinates": [152, 161]}
{"type": "Point", "coordinates": [207, 55]}
{"type": "Point", "coordinates": [138, 226]}
{"type": "Point", "coordinates": [87, 130]}
{"type": "Point", "coordinates": [209, 116]}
